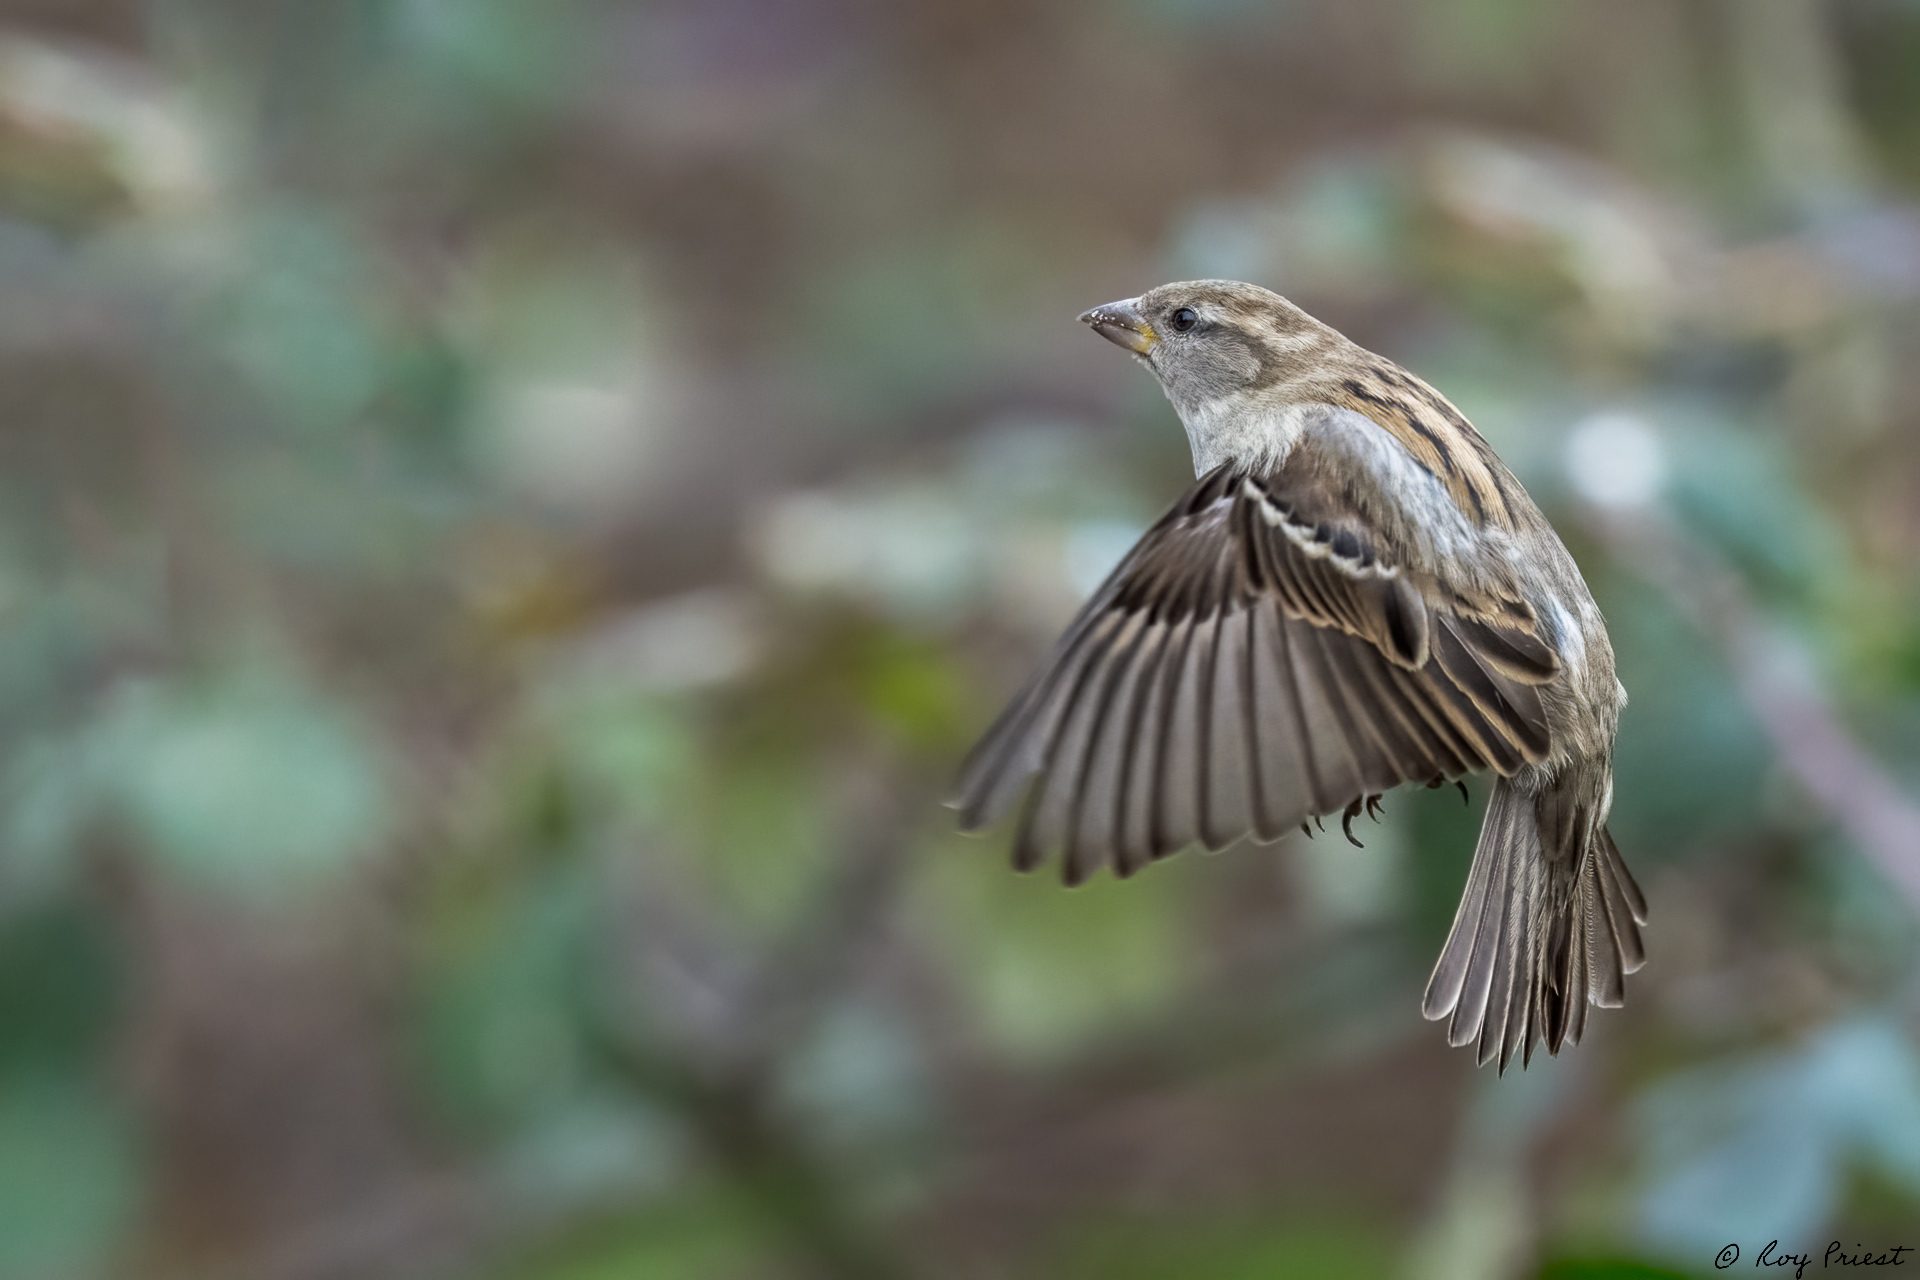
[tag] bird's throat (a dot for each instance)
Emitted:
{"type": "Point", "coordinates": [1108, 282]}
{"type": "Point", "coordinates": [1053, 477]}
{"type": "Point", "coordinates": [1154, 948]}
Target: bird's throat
{"type": "Point", "coordinates": [1254, 436]}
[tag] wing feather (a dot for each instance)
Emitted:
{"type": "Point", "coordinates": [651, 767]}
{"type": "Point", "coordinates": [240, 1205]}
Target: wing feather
{"type": "Point", "coordinates": [1285, 790]}
{"type": "Point", "coordinates": [1180, 778]}
{"type": "Point", "coordinates": [1093, 826]}
{"type": "Point", "coordinates": [1144, 732]}
{"type": "Point", "coordinates": [1260, 658]}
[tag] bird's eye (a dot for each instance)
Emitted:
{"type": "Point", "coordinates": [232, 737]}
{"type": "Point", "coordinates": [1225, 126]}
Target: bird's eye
{"type": "Point", "coordinates": [1183, 319]}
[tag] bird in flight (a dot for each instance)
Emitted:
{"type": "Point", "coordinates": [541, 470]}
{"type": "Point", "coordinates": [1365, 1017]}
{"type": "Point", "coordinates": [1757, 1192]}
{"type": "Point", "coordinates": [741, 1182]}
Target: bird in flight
{"type": "Point", "coordinates": [1355, 593]}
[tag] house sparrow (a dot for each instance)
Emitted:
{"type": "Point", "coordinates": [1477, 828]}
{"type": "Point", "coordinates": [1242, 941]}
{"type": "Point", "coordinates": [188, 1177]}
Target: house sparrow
{"type": "Point", "coordinates": [1356, 593]}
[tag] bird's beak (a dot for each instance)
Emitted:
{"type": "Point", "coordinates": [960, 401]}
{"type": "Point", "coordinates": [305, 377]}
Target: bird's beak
{"type": "Point", "coordinates": [1122, 324]}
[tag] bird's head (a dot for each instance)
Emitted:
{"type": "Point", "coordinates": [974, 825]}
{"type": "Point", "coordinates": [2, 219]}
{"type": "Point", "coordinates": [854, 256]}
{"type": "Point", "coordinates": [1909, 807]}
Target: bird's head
{"type": "Point", "coordinates": [1217, 346]}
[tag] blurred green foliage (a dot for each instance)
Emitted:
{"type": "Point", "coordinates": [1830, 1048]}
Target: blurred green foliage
{"type": "Point", "coordinates": [511, 514]}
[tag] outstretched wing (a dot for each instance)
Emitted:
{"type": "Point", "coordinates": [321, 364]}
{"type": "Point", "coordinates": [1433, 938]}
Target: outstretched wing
{"type": "Point", "coordinates": [1257, 659]}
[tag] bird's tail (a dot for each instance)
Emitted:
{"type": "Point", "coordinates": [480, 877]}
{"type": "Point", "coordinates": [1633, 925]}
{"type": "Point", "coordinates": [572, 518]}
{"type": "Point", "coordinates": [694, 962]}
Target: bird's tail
{"type": "Point", "coordinates": [1550, 920]}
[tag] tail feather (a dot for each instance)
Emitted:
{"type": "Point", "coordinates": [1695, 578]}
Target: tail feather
{"type": "Point", "coordinates": [1549, 922]}
{"type": "Point", "coordinates": [1625, 905]}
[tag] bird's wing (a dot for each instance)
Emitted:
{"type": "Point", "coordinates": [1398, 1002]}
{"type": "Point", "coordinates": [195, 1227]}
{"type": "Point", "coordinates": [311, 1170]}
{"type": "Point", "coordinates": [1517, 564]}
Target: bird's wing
{"type": "Point", "coordinates": [1258, 658]}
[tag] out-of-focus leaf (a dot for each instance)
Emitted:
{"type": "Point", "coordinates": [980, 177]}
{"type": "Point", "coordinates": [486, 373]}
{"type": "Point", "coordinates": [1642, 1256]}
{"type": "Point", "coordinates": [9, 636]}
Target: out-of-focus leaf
{"type": "Point", "coordinates": [1868, 1074]}
{"type": "Point", "coordinates": [497, 47]}
{"type": "Point", "coordinates": [907, 550]}
{"type": "Point", "coordinates": [498, 1029]}
{"type": "Point", "coordinates": [1868, 927]}
{"type": "Point", "coordinates": [52, 790]}
{"type": "Point", "coordinates": [1773, 1175]}
{"type": "Point", "coordinates": [593, 1145]}
{"type": "Point", "coordinates": [917, 694]}
{"type": "Point", "coordinates": [69, 1175]}
{"type": "Point", "coordinates": [1761, 1149]}
{"type": "Point", "coordinates": [59, 989]}
{"type": "Point", "coordinates": [250, 784]}
{"type": "Point", "coordinates": [630, 755]}
{"type": "Point", "coordinates": [1690, 757]}
{"type": "Point", "coordinates": [762, 843]}
{"type": "Point", "coordinates": [1046, 967]}
{"type": "Point", "coordinates": [60, 629]}
{"type": "Point", "coordinates": [570, 406]}
{"type": "Point", "coordinates": [1740, 489]}
{"type": "Point", "coordinates": [858, 1076]}
{"type": "Point", "coordinates": [299, 316]}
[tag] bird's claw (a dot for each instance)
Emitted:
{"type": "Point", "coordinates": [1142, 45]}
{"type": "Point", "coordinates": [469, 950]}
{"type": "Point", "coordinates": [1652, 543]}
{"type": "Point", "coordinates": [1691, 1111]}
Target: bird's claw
{"type": "Point", "coordinates": [1347, 816]}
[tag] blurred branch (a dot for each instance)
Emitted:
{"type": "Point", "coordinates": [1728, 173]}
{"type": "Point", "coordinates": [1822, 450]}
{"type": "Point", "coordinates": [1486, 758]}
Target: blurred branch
{"type": "Point", "coordinates": [1776, 677]}
{"type": "Point", "coordinates": [795, 1190]}
{"type": "Point", "coordinates": [803, 973]}
{"type": "Point", "coordinates": [724, 1087]}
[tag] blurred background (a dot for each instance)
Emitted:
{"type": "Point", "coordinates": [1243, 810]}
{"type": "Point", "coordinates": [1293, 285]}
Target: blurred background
{"type": "Point", "coordinates": [510, 514]}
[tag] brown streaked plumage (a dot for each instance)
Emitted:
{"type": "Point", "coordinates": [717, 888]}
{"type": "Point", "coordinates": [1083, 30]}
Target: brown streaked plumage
{"type": "Point", "coordinates": [1355, 594]}
{"type": "Point", "coordinates": [1438, 436]}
